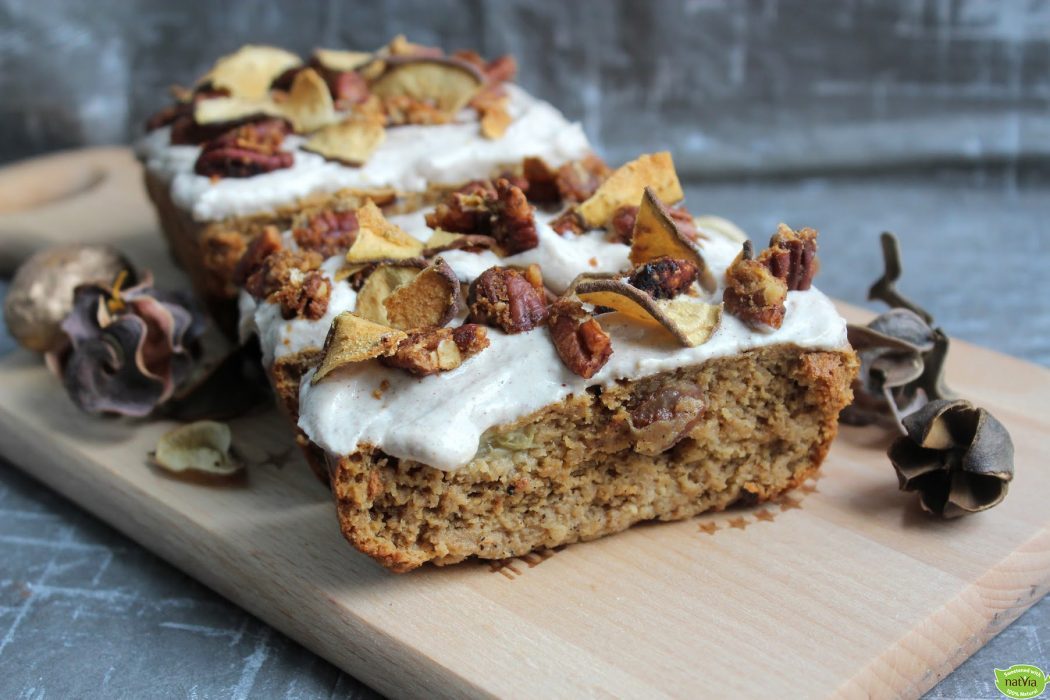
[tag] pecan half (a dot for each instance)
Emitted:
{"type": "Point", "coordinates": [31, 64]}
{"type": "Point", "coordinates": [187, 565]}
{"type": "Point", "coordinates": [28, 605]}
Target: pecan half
{"type": "Point", "coordinates": [248, 150]}
{"type": "Point", "coordinates": [621, 225]}
{"type": "Point", "coordinates": [542, 185]}
{"type": "Point", "coordinates": [792, 256]}
{"type": "Point", "coordinates": [261, 247]}
{"type": "Point", "coordinates": [664, 278]}
{"type": "Point", "coordinates": [465, 210]}
{"type": "Point", "coordinates": [578, 338]}
{"type": "Point", "coordinates": [503, 298]}
{"type": "Point", "coordinates": [435, 350]}
{"type": "Point", "coordinates": [753, 293]}
{"type": "Point", "coordinates": [513, 225]}
{"type": "Point", "coordinates": [663, 418]}
{"type": "Point", "coordinates": [304, 295]}
{"type": "Point", "coordinates": [328, 231]}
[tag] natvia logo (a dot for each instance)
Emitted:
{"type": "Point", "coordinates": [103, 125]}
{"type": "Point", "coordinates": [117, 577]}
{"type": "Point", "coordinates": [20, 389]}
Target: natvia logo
{"type": "Point", "coordinates": [1021, 681]}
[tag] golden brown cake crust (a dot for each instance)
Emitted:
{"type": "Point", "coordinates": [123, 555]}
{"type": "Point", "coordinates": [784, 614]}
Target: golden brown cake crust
{"type": "Point", "coordinates": [570, 473]}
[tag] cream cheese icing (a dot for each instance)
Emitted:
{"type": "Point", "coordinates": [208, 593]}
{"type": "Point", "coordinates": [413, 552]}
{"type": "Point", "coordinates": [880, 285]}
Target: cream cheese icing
{"type": "Point", "coordinates": [411, 159]}
{"type": "Point", "coordinates": [436, 421]}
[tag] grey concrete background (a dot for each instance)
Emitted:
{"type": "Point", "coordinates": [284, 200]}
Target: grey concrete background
{"type": "Point", "coordinates": [927, 118]}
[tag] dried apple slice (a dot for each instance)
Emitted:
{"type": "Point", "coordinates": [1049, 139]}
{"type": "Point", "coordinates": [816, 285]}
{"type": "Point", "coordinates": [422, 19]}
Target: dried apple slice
{"type": "Point", "coordinates": [625, 187]}
{"type": "Point", "coordinates": [197, 450]}
{"type": "Point", "coordinates": [353, 339]}
{"type": "Point", "coordinates": [341, 60]}
{"type": "Point", "coordinates": [378, 240]}
{"type": "Point", "coordinates": [350, 142]}
{"type": "Point", "coordinates": [309, 104]}
{"type": "Point", "coordinates": [430, 300]}
{"type": "Point", "coordinates": [220, 110]}
{"type": "Point", "coordinates": [380, 284]}
{"type": "Point", "coordinates": [248, 72]}
{"type": "Point", "coordinates": [691, 322]}
{"type": "Point", "coordinates": [442, 241]}
{"type": "Point", "coordinates": [446, 83]}
{"type": "Point", "coordinates": [656, 235]}
{"type": "Point", "coordinates": [495, 118]}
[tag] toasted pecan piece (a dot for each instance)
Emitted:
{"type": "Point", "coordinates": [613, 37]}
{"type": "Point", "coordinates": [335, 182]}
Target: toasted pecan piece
{"type": "Point", "coordinates": [753, 293]}
{"type": "Point", "coordinates": [664, 278]}
{"type": "Point", "coordinates": [304, 296]}
{"type": "Point", "coordinates": [504, 298]}
{"type": "Point", "coordinates": [792, 256]}
{"type": "Point", "coordinates": [329, 231]}
{"type": "Point", "coordinates": [435, 350]}
{"type": "Point", "coordinates": [578, 338]}
{"type": "Point", "coordinates": [279, 269]}
{"type": "Point", "coordinates": [261, 247]}
{"type": "Point", "coordinates": [662, 419]}
{"type": "Point", "coordinates": [499, 209]}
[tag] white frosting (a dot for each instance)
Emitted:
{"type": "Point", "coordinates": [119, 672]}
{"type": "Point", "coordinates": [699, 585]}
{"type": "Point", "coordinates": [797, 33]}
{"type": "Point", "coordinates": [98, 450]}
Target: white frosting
{"type": "Point", "coordinates": [439, 420]}
{"type": "Point", "coordinates": [411, 159]}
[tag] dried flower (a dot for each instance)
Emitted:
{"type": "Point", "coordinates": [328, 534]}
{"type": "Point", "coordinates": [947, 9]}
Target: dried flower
{"type": "Point", "coordinates": [130, 349]}
{"type": "Point", "coordinates": [958, 457]}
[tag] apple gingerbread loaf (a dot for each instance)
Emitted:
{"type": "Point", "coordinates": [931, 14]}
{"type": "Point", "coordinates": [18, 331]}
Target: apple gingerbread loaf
{"type": "Point", "coordinates": [264, 137]}
{"type": "Point", "coordinates": [528, 378]}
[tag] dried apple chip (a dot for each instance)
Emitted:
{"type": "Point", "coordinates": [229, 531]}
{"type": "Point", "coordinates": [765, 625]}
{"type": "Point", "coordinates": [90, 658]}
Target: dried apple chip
{"type": "Point", "coordinates": [309, 105]}
{"type": "Point", "coordinates": [656, 235]}
{"type": "Point", "coordinates": [446, 83]}
{"type": "Point", "coordinates": [441, 241]}
{"type": "Point", "coordinates": [248, 72]}
{"type": "Point", "coordinates": [342, 61]}
{"type": "Point", "coordinates": [354, 339]}
{"type": "Point", "coordinates": [197, 450]}
{"type": "Point", "coordinates": [495, 118]}
{"type": "Point", "coordinates": [430, 300]}
{"type": "Point", "coordinates": [380, 284]}
{"type": "Point", "coordinates": [691, 322]}
{"type": "Point", "coordinates": [220, 110]}
{"type": "Point", "coordinates": [350, 142]}
{"type": "Point", "coordinates": [378, 240]}
{"type": "Point", "coordinates": [625, 187]}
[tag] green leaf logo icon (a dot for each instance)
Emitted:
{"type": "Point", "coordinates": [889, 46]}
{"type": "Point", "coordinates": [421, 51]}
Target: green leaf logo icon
{"type": "Point", "coordinates": [1021, 681]}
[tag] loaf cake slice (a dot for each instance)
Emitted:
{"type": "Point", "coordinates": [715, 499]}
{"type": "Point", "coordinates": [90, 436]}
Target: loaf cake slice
{"type": "Point", "coordinates": [562, 396]}
{"type": "Point", "coordinates": [263, 137]}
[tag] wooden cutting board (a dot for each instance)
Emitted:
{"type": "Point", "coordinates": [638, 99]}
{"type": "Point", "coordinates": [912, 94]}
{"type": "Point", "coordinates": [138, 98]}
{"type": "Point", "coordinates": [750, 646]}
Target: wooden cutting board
{"type": "Point", "coordinates": [844, 588]}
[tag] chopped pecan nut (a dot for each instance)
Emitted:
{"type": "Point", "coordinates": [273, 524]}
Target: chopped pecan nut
{"type": "Point", "coordinates": [499, 209]}
{"type": "Point", "coordinates": [579, 179]}
{"type": "Point", "coordinates": [621, 225]}
{"type": "Point", "coordinates": [435, 350]}
{"type": "Point", "coordinates": [662, 419]}
{"type": "Point", "coordinates": [304, 295]}
{"type": "Point", "coordinates": [568, 222]}
{"type": "Point", "coordinates": [541, 182]}
{"type": "Point", "coordinates": [403, 109]}
{"type": "Point", "coordinates": [792, 256]}
{"type": "Point", "coordinates": [664, 278]}
{"type": "Point", "coordinates": [248, 150]}
{"type": "Point", "coordinates": [262, 246]}
{"type": "Point", "coordinates": [503, 298]}
{"type": "Point", "coordinates": [579, 339]}
{"type": "Point", "coordinates": [513, 225]}
{"type": "Point", "coordinates": [328, 231]}
{"type": "Point", "coordinates": [753, 293]}
{"type": "Point", "coordinates": [279, 269]}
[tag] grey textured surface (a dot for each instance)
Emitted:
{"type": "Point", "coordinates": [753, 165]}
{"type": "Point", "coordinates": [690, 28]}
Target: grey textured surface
{"type": "Point", "coordinates": [931, 119]}
{"type": "Point", "coordinates": [733, 85]}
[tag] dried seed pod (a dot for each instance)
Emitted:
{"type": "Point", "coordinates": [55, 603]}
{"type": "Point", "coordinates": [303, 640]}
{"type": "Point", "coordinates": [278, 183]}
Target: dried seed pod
{"type": "Point", "coordinates": [958, 457]}
{"type": "Point", "coordinates": [41, 292]}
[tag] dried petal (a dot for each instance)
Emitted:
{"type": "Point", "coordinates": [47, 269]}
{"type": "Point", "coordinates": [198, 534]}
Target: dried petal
{"type": "Point", "coordinates": [431, 299]}
{"type": "Point", "coordinates": [349, 142]}
{"type": "Point", "coordinates": [249, 71]}
{"type": "Point", "coordinates": [448, 84]}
